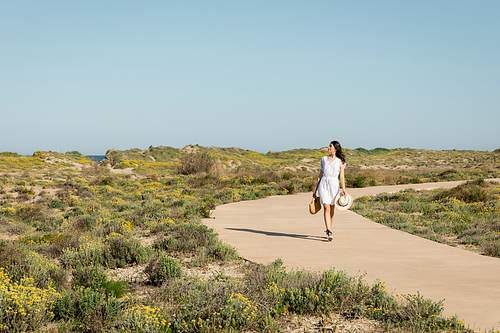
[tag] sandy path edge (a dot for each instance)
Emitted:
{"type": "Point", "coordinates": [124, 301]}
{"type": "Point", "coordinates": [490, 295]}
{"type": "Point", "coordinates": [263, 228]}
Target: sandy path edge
{"type": "Point", "coordinates": [281, 226]}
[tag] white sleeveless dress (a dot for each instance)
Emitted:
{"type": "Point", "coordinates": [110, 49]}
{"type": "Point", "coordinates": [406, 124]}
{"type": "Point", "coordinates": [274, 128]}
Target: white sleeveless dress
{"type": "Point", "coordinates": [329, 186]}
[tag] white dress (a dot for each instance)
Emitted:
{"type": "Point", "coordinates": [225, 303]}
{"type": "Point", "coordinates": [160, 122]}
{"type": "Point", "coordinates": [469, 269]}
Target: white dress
{"type": "Point", "coordinates": [329, 185]}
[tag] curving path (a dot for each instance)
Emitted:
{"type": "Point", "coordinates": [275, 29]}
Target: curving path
{"type": "Point", "coordinates": [281, 226]}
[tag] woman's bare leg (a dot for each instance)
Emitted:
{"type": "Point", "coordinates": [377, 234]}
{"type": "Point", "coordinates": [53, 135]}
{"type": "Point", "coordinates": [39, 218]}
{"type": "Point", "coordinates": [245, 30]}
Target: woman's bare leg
{"type": "Point", "coordinates": [328, 214]}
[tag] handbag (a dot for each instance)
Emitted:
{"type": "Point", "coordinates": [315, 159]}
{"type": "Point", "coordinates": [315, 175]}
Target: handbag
{"type": "Point", "coordinates": [314, 205]}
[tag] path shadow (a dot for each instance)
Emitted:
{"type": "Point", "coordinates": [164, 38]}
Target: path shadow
{"type": "Point", "coordinates": [280, 234]}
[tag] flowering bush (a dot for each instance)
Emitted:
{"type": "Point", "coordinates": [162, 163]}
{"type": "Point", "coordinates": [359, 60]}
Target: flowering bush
{"type": "Point", "coordinates": [23, 306]}
{"type": "Point", "coordinates": [143, 318]}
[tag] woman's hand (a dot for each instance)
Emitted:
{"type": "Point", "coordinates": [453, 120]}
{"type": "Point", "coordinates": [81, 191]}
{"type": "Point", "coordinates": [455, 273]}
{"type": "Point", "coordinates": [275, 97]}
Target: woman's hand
{"type": "Point", "coordinates": [344, 192]}
{"type": "Point", "coordinates": [314, 194]}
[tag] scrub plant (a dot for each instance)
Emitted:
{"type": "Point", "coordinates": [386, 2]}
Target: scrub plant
{"type": "Point", "coordinates": [192, 163]}
{"type": "Point", "coordinates": [162, 268]}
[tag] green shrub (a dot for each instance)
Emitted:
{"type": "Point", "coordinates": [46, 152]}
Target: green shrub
{"type": "Point", "coordinates": [120, 251]}
{"type": "Point", "coordinates": [21, 262]}
{"type": "Point", "coordinates": [24, 190]}
{"type": "Point", "coordinates": [89, 277]}
{"type": "Point", "coordinates": [116, 288]}
{"type": "Point", "coordinates": [95, 311]}
{"type": "Point", "coordinates": [358, 182]}
{"type": "Point", "coordinates": [193, 163]}
{"type": "Point", "coordinates": [162, 268]}
{"type": "Point", "coordinates": [186, 237]}
{"type": "Point", "coordinates": [411, 206]}
{"type": "Point", "coordinates": [492, 249]}
{"type": "Point", "coordinates": [10, 154]}
{"type": "Point", "coordinates": [222, 251]}
{"type": "Point", "coordinates": [63, 307]}
{"type": "Point", "coordinates": [11, 255]}
{"type": "Point", "coordinates": [86, 222]}
{"type": "Point", "coordinates": [56, 204]}
{"type": "Point", "coordinates": [94, 278]}
{"type": "Point", "coordinates": [74, 153]}
{"type": "Point", "coordinates": [207, 205]}
{"type": "Point", "coordinates": [30, 213]}
{"type": "Point", "coordinates": [116, 251]}
{"type": "Point", "coordinates": [472, 191]}
{"type": "Point", "coordinates": [450, 175]}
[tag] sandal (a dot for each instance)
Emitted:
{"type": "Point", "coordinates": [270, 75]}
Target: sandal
{"type": "Point", "coordinates": [329, 236]}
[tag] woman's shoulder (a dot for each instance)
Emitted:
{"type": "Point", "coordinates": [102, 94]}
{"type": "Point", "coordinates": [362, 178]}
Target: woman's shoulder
{"type": "Point", "coordinates": [339, 162]}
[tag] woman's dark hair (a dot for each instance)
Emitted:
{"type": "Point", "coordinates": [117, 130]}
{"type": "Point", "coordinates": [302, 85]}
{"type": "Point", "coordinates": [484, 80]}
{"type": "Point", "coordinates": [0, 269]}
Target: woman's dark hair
{"type": "Point", "coordinates": [338, 150]}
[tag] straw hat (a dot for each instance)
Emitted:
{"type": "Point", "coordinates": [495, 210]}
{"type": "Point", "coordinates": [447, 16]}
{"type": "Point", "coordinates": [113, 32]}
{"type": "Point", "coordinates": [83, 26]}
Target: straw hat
{"type": "Point", "coordinates": [343, 202]}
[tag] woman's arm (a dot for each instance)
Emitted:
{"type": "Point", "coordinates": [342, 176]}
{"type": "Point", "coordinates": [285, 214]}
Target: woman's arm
{"type": "Point", "coordinates": [317, 183]}
{"type": "Point", "coordinates": [319, 177]}
{"type": "Point", "coordinates": [342, 178]}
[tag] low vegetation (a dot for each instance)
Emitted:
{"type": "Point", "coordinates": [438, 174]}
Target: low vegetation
{"type": "Point", "coordinates": [70, 229]}
{"type": "Point", "coordinates": [365, 167]}
{"type": "Point", "coordinates": [467, 215]}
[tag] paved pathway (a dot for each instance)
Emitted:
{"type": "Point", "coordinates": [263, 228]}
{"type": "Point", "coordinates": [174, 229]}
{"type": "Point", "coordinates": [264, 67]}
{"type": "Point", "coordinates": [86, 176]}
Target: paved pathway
{"type": "Point", "coordinates": [281, 226]}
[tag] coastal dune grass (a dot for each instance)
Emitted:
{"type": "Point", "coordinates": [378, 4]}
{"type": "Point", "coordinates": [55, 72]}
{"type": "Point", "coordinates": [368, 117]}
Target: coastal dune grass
{"type": "Point", "coordinates": [68, 225]}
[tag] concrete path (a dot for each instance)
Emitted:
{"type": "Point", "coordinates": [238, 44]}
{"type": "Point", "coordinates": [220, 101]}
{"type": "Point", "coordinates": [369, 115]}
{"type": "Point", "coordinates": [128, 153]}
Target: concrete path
{"type": "Point", "coordinates": [281, 226]}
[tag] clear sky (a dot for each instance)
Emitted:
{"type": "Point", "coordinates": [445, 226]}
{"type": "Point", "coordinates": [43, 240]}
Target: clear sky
{"type": "Point", "coordinates": [259, 75]}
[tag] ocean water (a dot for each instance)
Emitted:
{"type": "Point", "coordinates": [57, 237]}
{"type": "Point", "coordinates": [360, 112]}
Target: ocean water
{"type": "Point", "coordinates": [97, 158]}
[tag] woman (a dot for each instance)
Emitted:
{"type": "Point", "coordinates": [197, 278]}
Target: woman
{"type": "Point", "coordinates": [328, 182]}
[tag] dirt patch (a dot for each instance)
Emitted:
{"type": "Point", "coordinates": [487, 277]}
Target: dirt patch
{"type": "Point", "coordinates": [215, 270]}
{"type": "Point", "coordinates": [8, 237]}
{"type": "Point", "coordinates": [374, 167]}
{"type": "Point", "coordinates": [308, 167]}
{"type": "Point", "coordinates": [53, 160]}
{"type": "Point", "coordinates": [300, 168]}
{"type": "Point", "coordinates": [39, 191]}
{"type": "Point", "coordinates": [405, 167]}
{"type": "Point", "coordinates": [333, 323]}
{"type": "Point", "coordinates": [233, 165]}
{"type": "Point", "coordinates": [133, 274]}
{"type": "Point", "coordinates": [147, 240]}
{"type": "Point", "coordinates": [126, 171]}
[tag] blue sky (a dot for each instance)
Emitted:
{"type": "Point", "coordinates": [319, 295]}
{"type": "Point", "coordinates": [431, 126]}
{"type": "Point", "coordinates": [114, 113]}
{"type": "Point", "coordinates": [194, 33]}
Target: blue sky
{"type": "Point", "coordinates": [259, 75]}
